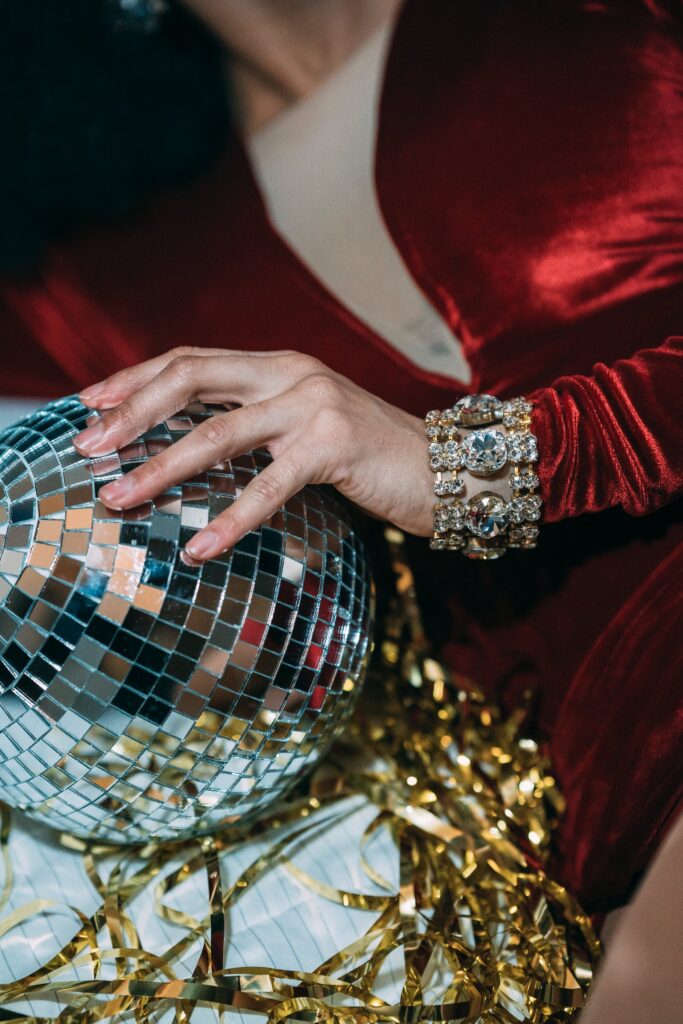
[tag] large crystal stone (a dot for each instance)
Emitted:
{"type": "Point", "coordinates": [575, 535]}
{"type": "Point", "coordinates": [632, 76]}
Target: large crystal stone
{"type": "Point", "coordinates": [477, 410]}
{"type": "Point", "coordinates": [487, 515]}
{"type": "Point", "coordinates": [484, 451]}
{"type": "Point", "coordinates": [484, 550]}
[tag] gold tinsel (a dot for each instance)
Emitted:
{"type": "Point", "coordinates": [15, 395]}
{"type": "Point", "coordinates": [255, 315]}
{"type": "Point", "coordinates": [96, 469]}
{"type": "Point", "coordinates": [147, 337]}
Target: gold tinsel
{"type": "Point", "coordinates": [469, 799]}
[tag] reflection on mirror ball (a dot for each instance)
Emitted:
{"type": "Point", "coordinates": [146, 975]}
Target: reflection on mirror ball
{"type": "Point", "coordinates": [141, 697]}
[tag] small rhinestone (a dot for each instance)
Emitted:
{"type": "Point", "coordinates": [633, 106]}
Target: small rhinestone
{"type": "Point", "coordinates": [456, 516]}
{"type": "Point", "coordinates": [516, 407]}
{"type": "Point", "coordinates": [523, 479]}
{"type": "Point", "coordinates": [441, 517]}
{"type": "Point", "coordinates": [444, 488]}
{"type": "Point", "coordinates": [515, 479]}
{"type": "Point", "coordinates": [521, 447]}
{"type": "Point", "coordinates": [517, 510]}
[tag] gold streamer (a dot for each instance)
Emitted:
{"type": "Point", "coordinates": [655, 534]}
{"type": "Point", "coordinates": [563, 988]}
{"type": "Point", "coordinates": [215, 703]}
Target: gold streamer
{"type": "Point", "coordinates": [8, 878]}
{"type": "Point", "coordinates": [470, 802]}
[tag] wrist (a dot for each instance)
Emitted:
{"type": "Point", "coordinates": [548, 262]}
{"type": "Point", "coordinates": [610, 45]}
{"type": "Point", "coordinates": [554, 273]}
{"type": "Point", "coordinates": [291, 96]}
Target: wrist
{"type": "Point", "coordinates": [482, 453]}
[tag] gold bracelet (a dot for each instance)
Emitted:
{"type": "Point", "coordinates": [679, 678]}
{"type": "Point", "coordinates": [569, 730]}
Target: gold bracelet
{"type": "Point", "coordinates": [485, 525]}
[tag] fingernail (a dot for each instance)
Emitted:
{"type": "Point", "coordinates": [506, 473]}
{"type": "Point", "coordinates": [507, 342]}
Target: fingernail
{"type": "Point", "coordinates": [188, 560]}
{"type": "Point", "coordinates": [116, 492]}
{"type": "Point", "coordinates": [91, 392]}
{"type": "Point", "coordinates": [203, 544]}
{"type": "Point", "coordinates": [90, 438]}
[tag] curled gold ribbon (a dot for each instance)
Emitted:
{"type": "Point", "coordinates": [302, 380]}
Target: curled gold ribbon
{"type": "Point", "coordinates": [470, 802]}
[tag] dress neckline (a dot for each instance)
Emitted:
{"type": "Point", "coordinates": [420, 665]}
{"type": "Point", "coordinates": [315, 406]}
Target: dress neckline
{"type": "Point", "coordinates": [239, 146]}
{"type": "Point", "coordinates": [314, 167]}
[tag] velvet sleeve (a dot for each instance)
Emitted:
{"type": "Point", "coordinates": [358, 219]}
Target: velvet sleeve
{"type": "Point", "coordinates": [613, 438]}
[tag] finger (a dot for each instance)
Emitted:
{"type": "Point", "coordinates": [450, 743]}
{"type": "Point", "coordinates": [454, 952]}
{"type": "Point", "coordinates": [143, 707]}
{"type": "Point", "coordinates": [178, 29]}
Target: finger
{"type": "Point", "coordinates": [259, 500]}
{"type": "Point", "coordinates": [176, 386]}
{"type": "Point", "coordinates": [116, 388]}
{"type": "Point", "coordinates": [216, 439]}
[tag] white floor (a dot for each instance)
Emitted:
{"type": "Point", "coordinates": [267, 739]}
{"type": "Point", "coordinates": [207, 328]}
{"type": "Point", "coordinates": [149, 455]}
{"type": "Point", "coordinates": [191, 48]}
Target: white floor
{"type": "Point", "coordinates": [12, 409]}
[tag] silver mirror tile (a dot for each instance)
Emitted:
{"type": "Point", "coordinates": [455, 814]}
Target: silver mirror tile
{"type": "Point", "coordinates": [140, 697]}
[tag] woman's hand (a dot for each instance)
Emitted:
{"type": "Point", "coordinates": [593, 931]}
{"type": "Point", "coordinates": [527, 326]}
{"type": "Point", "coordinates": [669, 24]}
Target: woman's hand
{"type": "Point", "coordinates": [317, 425]}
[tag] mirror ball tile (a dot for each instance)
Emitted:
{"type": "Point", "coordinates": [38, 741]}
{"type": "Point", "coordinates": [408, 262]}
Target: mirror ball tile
{"type": "Point", "coordinates": [140, 697]}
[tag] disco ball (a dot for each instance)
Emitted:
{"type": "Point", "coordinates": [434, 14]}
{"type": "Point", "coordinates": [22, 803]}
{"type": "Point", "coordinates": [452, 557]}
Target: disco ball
{"type": "Point", "coordinates": [141, 697]}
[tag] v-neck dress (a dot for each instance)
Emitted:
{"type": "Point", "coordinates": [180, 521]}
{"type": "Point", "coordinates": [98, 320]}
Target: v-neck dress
{"type": "Point", "coordinates": [529, 169]}
{"type": "Point", "coordinates": [314, 164]}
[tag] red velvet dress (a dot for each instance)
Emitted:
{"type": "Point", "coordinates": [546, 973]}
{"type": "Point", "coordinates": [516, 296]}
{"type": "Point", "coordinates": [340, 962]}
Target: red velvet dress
{"type": "Point", "coordinates": [530, 169]}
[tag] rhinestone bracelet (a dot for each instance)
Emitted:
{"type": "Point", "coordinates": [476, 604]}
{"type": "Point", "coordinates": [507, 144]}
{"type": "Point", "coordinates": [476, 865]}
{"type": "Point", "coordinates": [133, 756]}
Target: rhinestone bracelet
{"type": "Point", "coordinates": [485, 525]}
